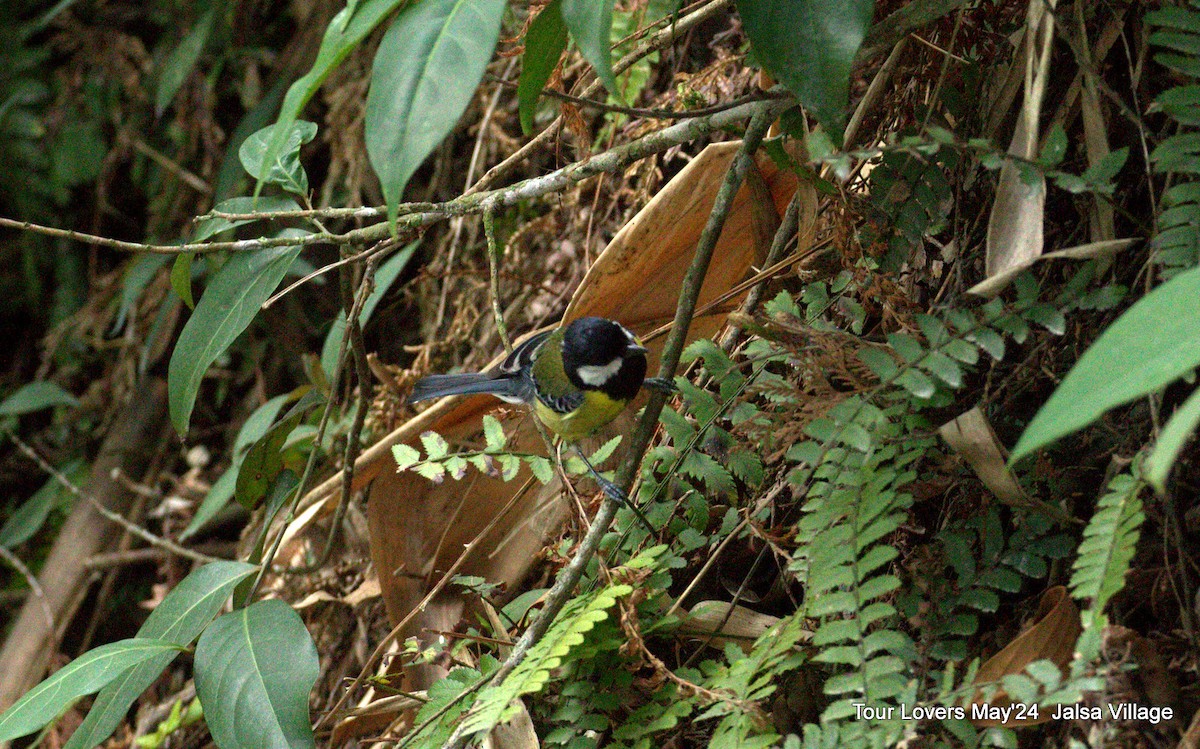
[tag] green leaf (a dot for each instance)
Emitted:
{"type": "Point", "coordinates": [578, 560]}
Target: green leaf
{"type": "Point", "coordinates": [917, 383]}
{"type": "Point", "coordinates": [223, 488]}
{"type": "Point", "coordinates": [544, 45]}
{"type": "Point", "coordinates": [1055, 147]}
{"type": "Point", "coordinates": [1170, 443]}
{"type": "Point", "coordinates": [809, 47]}
{"type": "Point", "coordinates": [436, 446]}
{"type": "Point", "coordinates": [406, 456]}
{"type": "Point", "coordinates": [179, 619]}
{"type": "Point", "coordinates": [590, 24]}
{"type": "Point", "coordinates": [1152, 344]}
{"type": "Point", "coordinates": [384, 278]}
{"type": "Point", "coordinates": [35, 396]}
{"type": "Point", "coordinates": [84, 675]}
{"type": "Point", "coordinates": [493, 433]}
{"type": "Point", "coordinates": [181, 278]}
{"type": "Point", "coordinates": [425, 72]}
{"type": "Point", "coordinates": [138, 276]}
{"type": "Point", "coordinates": [254, 670]}
{"type": "Point", "coordinates": [210, 227]}
{"type": "Point", "coordinates": [347, 29]}
{"type": "Point", "coordinates": [266, 459]}
{"type": "Point", "coordinates": [542, 468]}
{"type": "Point", "coordinates": [182, 60]}
{"type": "Point", "coordinates": [228, 305]}
{"type": "Point", "coordinates": [32, 514]}
{"type": "Point", "coordinates": [285, 170]}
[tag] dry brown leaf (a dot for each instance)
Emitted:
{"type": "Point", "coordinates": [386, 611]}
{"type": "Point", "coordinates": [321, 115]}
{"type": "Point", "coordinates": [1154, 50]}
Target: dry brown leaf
{"type": "Point", "coordinates": [1051, 637]}
{"type": "Point", "coordinates": [742, 626]}
{"type": "Point", "coordinates": [993, 285]}
{"type": "Point", "coordinates": [971, 436]}
{"type": "Point", "coordinates": [419, 530]}
{"type": "Point", "coordinates": [1014, 234]}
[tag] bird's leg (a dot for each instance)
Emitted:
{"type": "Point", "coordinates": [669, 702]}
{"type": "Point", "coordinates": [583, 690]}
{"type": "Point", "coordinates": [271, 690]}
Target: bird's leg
{"type": "Point", "coordinates": [614, 492]}
{"type": "Point", "coordinates": [661, 384]}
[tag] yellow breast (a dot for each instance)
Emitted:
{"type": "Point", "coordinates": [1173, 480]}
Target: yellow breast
{"type": "Point", "coordinates": [597, 410]}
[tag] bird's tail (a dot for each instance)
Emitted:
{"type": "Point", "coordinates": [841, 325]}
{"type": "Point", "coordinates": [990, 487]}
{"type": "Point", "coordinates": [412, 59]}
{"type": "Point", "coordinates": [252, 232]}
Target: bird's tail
{"type": "Point", "coordinates": [438, 386]}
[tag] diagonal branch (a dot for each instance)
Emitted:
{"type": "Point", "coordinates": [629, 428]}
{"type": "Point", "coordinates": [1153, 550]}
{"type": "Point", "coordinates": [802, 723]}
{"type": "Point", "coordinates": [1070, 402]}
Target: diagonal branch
{"type": "Point", "coordinates": [570, 575]}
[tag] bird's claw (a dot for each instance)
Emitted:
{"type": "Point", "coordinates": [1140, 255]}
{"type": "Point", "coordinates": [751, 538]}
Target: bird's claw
{"type": "Point", "coordinates": [612, 491]}
{"type": "Point", "coordinates": [660, 384]}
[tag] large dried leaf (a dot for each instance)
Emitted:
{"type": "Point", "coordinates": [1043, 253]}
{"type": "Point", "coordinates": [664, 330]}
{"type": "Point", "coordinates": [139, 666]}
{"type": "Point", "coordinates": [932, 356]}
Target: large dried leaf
{"type": "Point", "coordinates": [1051, 637]}
{"type": "Point", "coordinates": [419, 529]}
{"type": "Point", "coordinates": [1014, 236]}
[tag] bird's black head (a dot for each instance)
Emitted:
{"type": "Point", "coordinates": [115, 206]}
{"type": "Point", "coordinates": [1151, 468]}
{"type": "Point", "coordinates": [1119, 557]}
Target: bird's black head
{"type": "Point", "coordinates": [599, 354]}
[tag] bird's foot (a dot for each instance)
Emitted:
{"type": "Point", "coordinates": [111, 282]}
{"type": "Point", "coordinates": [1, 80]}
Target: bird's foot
{"type": "Point", "coordinates": [612, 491]}
{"type": "Point", "coordinates": [660, 384]}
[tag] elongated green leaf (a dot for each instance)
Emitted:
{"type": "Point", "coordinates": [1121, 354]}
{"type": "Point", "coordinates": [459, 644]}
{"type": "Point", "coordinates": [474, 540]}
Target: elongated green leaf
{"type": "Point", "coordinates": [544, 45]}
{"type": "Point", "coordinates": [230, 302]}
{"type": "Point", "coordinates": [180, 618]}
{"type": "Point", "coordinates": [182, 60]}
{"type": "Point", "coordinates": [138, 276]}
{"type": "Point", "coordinates": [35, 396]}
{"type": "Point", "coordinates": [210, 227]}
{"type": "Point", "coordinates": [221, 491]}
{"type": "Point", "coordinates": [32, 513]}
{"type": "Point", "coordinates": [425, 73]}
{"type": "Point", "coordinates": [285, 169]}
{"type": "Point", "coordinates": [809, 46]}
{"type": "Point", "coordinates": [347, 29]}
{"type": "Point", "coordinates": [181, 278]}
{"type": "Point", "coordinates": [1154, 343]}
{"type": "Point", "coordinates": [1170, 443]}
{"type": "Point", "coordinates": [84, 675]}
{"type": "Point", "coordinates": [384, 278]}
{"type": "Point", "coordinates": [590, 24]}
{"type": "Point", "coordinates": [254, 670]}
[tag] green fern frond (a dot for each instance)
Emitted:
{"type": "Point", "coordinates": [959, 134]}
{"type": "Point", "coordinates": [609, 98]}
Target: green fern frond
{"type": "Point", "coordinates": [1109, 542]}
{"type": "Point", "coordinates": [1176, 33]}
{"type": "Point", "coordinates": [577, 618]}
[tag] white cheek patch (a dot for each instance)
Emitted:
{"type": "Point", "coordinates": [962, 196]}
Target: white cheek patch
{"type": "Point", "coordinates": [596, 375]}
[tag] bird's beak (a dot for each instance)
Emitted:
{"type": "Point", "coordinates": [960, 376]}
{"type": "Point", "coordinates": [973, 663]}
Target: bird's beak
{"type": "Point", "coordinates": [635, 348]}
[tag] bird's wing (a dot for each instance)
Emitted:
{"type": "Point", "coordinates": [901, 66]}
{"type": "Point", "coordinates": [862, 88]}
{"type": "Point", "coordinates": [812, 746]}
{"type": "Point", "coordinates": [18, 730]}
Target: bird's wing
{"type": "Point", "coordinates": [522, 356]}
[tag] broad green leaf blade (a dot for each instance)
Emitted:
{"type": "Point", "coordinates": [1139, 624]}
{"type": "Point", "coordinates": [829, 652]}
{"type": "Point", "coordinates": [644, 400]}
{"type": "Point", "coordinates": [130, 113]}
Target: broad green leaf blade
{"type": "Point", "coordinates": [590, 24]}
{"type": "Point", "coordinates": [183, 59]}
{"type": "Point", "coordinates": [544, 45]}
{"type": "Point", "coordinates": [180, 619]}
{"type": "Point", "coordinates": [210, 227]}
{"type": "Point", "coordinates": [384, 278]}
{"type": "Point", "coordinates": [35, 396]}
{"type": "Point", "coordinates": [426, 70]}
{"type": "Point", "coordinates": [343, 34]}
{"type": "Point", "coordinates": [285, 169]}
{"type": "Point", "coordinates": [221, 491]}
{"type": "Point", "coordinates": [84, 675]}
{"type": "Point", "coordinates": [1155, 342]}
{"type": "Point", "coordinates": [1170, 443]}
{"type": "Point", "coordinates": [181, 278]}
{"type": "Point", "coordinates": [230, 302]}
{"type": "Point", "coordinates": [809, 47]}
{"type": "Point", "coordinates": [254, 670]}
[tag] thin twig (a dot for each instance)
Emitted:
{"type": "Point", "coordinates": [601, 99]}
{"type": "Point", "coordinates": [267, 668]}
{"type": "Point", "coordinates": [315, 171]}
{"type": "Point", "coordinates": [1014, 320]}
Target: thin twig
{"type": "Point", "coordinates": [570, 575]}
{"type": "Point", "coordinates": [381, 648]}
{"type": "Point", "coordinates": [32, 581]}
{"type": "Point", "coordinates": [240, 245]}
{"type": "Point", "coordinates": [133, 528]}
{"type": "Point", "coordinates": [489, 231]}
